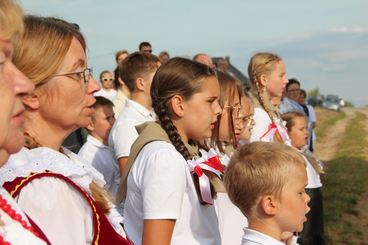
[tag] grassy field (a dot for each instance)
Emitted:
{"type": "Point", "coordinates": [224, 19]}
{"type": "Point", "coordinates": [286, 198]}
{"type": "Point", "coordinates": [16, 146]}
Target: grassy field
{"type": "Point", "coordinates": [346, 181]}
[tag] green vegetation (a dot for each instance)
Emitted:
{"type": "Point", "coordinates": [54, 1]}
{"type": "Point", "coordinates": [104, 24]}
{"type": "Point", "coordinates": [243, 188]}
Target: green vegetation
{"type": "Point", "coordinates": [326, 119]}
{"type": "Point", "coordinates": [344, 184]}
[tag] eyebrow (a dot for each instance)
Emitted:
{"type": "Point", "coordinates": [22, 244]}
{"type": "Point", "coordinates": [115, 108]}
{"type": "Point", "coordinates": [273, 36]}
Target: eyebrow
{"type": "Point", "coordinates": [79, 63]}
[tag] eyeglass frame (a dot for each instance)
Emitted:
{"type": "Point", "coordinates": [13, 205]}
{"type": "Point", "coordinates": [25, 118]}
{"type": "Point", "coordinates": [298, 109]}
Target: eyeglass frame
{"type": "Point", "coordinates": [87, 74]}
{"type": "Point", "coordinates": [239, 110]}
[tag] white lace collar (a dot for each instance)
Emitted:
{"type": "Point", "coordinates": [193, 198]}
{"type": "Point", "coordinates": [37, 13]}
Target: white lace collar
{"type": "Point", "coordinates": [40, 159]}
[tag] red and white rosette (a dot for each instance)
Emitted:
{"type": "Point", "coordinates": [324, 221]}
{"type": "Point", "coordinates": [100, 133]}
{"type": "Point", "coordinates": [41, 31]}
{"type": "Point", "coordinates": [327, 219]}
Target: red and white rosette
{"type": "Point", "coordinates": [209, 162]}
{"type": "Point", "coordinates": [276, 128]}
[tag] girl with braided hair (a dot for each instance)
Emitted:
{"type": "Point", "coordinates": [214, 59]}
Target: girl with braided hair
{"type": "Point", "coordinates": [162, 205]}
{"type": "Point", "coordinates": [267, 75]}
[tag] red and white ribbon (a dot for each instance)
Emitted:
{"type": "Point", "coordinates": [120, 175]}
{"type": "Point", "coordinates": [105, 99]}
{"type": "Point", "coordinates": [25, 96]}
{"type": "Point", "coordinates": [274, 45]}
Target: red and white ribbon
{"type": "Point", "coordinates": [210, 162]}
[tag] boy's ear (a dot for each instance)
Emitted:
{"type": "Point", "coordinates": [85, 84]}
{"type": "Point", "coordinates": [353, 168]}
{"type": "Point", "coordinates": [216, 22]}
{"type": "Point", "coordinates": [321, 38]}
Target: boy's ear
{"type": "Point", "coordinates": [140, 84]}
{"type": "Point", "coordinates": [177, 105]}
{"type": "Point", "coordinates": [91, 126]}
{"type": "Point", "coordinates": [269, 205]}
{"type": "Point", "coordinates": [31, 101]}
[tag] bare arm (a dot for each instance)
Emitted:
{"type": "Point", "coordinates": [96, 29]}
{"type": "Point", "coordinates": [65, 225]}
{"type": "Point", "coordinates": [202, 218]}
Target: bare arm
{"type": "Point", "coordinates": [122, 161]}
{"type": "Point", "coordinates": [157, 231]}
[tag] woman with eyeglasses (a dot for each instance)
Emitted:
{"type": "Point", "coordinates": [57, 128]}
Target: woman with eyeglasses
{"type": "Point", "coordinates": [107, 86]}
{"type": "Point", "coordinates": [225, 135]}
{"type": "Point", "coordinates": [61, 193]}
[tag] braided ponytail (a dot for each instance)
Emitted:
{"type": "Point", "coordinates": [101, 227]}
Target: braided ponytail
{"type": "Point", "coordinates": [172, 131]}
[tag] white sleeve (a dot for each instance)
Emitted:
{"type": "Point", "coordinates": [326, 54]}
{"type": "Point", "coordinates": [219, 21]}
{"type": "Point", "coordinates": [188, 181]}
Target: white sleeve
{"type": "Point", "coordinates": [163, 185]}
{"type": "Point", "coordinates": [312, 114]}
{"type": "Point", "coordinates": [262, 122]}
{"type": "Point", "coordinates": [122, 138]}
{"type": "Point", "coordinates": [58, 209]}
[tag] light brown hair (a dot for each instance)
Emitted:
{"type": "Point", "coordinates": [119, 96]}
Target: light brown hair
{"type": "Point", "coordinates": [11, 22]}
{"type": "Point", "coordinates": [230, 88]}
{"type": "Point", "coordinates": [40, 51]}
{"type": "Point", "coordinates": [137, 65]}
{"type": "Point", "coordinates": [257, 169]}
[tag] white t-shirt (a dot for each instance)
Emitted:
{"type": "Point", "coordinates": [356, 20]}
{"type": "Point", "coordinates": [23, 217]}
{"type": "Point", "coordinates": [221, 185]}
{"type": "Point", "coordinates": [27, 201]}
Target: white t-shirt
{"type": "Point", "coordinates": [11, 230]}
{"type": "Point", "coordinates": [160, 186]}
{"type": "Point", "coordinates": [108, 94]}
{"type": "Point", "coordinates": [262, 121]}
{"type": "Point", "coordinates": [119, 102]}
{"type": "Point", "coordinates": [123, 133]}
{"type": "Point", "coordinates": [314, 179]}
{"type": "Point", "coordinates": [252, 237]}
{"type": "Point", "coordinates": [101, 157]}
{"type": "Point", "coordinates": [57, 208]}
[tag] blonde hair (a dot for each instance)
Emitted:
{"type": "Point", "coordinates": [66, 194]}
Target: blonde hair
{"type": "Point", "coordinates": [39, 52]}
{"type": "Point", "coordinates": [11, 19]}
{"type": "Point", "coordinates": [257, 169]}
{"type": "Point", "coordinates": [262, 64]}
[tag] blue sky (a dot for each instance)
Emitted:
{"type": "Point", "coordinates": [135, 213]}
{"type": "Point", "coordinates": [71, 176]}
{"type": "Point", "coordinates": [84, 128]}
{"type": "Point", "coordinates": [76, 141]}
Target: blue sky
{"type": "Point", "coordinates": [323, 43]}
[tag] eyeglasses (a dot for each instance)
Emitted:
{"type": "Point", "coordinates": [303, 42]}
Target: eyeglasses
{"type": "Point", "coordinates": [86, 74]}
{"type": "Point", "coordinates": [236, 111]}
{"type": "Point", "coordinates": [247, 118]}
{"type": "Point", "coordinates": [107, 79]}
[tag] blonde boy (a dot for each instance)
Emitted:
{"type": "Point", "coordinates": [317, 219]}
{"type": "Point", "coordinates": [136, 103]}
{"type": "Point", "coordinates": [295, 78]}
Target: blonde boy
{"type": "Point", "coordinates": [95, 151]}
{"type": "Point", "coordinates": [267, 181]}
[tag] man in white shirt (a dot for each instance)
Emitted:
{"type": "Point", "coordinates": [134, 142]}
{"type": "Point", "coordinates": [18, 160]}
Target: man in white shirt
{"type": "Point", "coordinates": [137, 71]}
{"type": "Point", "coordinates": [95, 150]}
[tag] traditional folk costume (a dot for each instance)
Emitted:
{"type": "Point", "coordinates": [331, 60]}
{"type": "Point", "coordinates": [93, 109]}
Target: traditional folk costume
{"type": "Point", "coordinates": [54, 189]}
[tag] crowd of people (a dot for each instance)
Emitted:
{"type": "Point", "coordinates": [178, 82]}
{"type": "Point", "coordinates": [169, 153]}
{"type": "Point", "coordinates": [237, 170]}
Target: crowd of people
{"type": "Point", "coordinates": [173, 150]}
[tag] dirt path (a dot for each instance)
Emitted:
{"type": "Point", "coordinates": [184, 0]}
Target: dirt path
{"type": "Point", "coordinates": [327, 146]}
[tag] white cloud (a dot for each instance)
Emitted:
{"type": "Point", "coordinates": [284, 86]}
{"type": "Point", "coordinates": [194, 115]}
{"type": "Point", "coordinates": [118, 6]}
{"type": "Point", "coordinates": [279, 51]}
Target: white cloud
{"type": "Point", "coordinates": [349, 29]}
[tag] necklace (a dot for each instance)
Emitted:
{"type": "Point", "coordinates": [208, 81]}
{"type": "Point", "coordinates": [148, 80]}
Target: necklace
{"type": "Point", "coordinates": [15, 216]}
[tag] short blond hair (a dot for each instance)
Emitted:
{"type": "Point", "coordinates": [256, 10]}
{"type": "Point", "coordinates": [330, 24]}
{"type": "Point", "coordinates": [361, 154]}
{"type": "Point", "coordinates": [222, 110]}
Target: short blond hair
{"type": "Point", "coordinates": [257, 169]}
{"type": "Point", "coordinates": [11, 19]}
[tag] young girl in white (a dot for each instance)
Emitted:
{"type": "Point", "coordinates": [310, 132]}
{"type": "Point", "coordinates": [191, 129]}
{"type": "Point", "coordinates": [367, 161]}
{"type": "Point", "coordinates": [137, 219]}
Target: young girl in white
{"type": "Point", "coordinates": [267, 75]}
{"type": "Point", "coordinates": [107, 86]}
{"type": "Point", "coordinates": [297, 126]}
{"type": "Point", "coordinates": [248, 121]}
{"type": "Point", "coordinates": [162, 204]}
{"type": "Point", "coordinates": [225, 135]}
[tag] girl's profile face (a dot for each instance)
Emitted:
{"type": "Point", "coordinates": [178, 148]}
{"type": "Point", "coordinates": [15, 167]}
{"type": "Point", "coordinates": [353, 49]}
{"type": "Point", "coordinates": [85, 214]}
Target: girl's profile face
{"type": "Point", "coordinates": [248, 122]}
{"type": "Point", "coordinates": [276, 81]}
{"type": "Point", "coordinates": [201, 111]}
{"type": "Point", "coordinates": [299, 132]}
{"type": "Point", "coordinates": [231, 113]}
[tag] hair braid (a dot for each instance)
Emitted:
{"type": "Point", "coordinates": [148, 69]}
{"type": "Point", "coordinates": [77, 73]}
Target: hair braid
{"type": "Point", "coordinates": [171, 131]}
{"type": "Point", "coordinates": [262, 102]}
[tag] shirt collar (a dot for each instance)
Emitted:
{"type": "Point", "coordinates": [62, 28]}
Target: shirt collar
{"type": "Point", "coordinates": [96, 142]}
{"type": "Point", "coordinates": [258, 237]}
{"type": "Point", "coordinates": [140, 108]}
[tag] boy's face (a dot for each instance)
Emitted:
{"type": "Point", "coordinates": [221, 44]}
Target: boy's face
{"type": "Point", "coordinates": [293, 202]}
{"type": "Point", "coordinates": [103, 120]}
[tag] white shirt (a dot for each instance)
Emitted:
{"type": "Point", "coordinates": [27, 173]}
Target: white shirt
{"type": "Point", "coordinates": [314, 179]}
{"type": "Point", "coordinates": [119, 102]}
{"type": "Point", "coordinates": [312, 118]}
{"type": "Point", "coordinates": [123, 133]}
{"type": "Point", "coordinates": [252, 237]}
{"type": "Point", "coordinates": [101, 157]}
{"type": "Point", "coordinates": [108, 94]}
{"type": "Point", "coordinates": [11, 230]}
{"type": "Point", "coordinates": [160, 186]}
{"type": "Point", "coordinates": [262, 121]}
{"type": "Point", "coordinates": [52, 203]}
